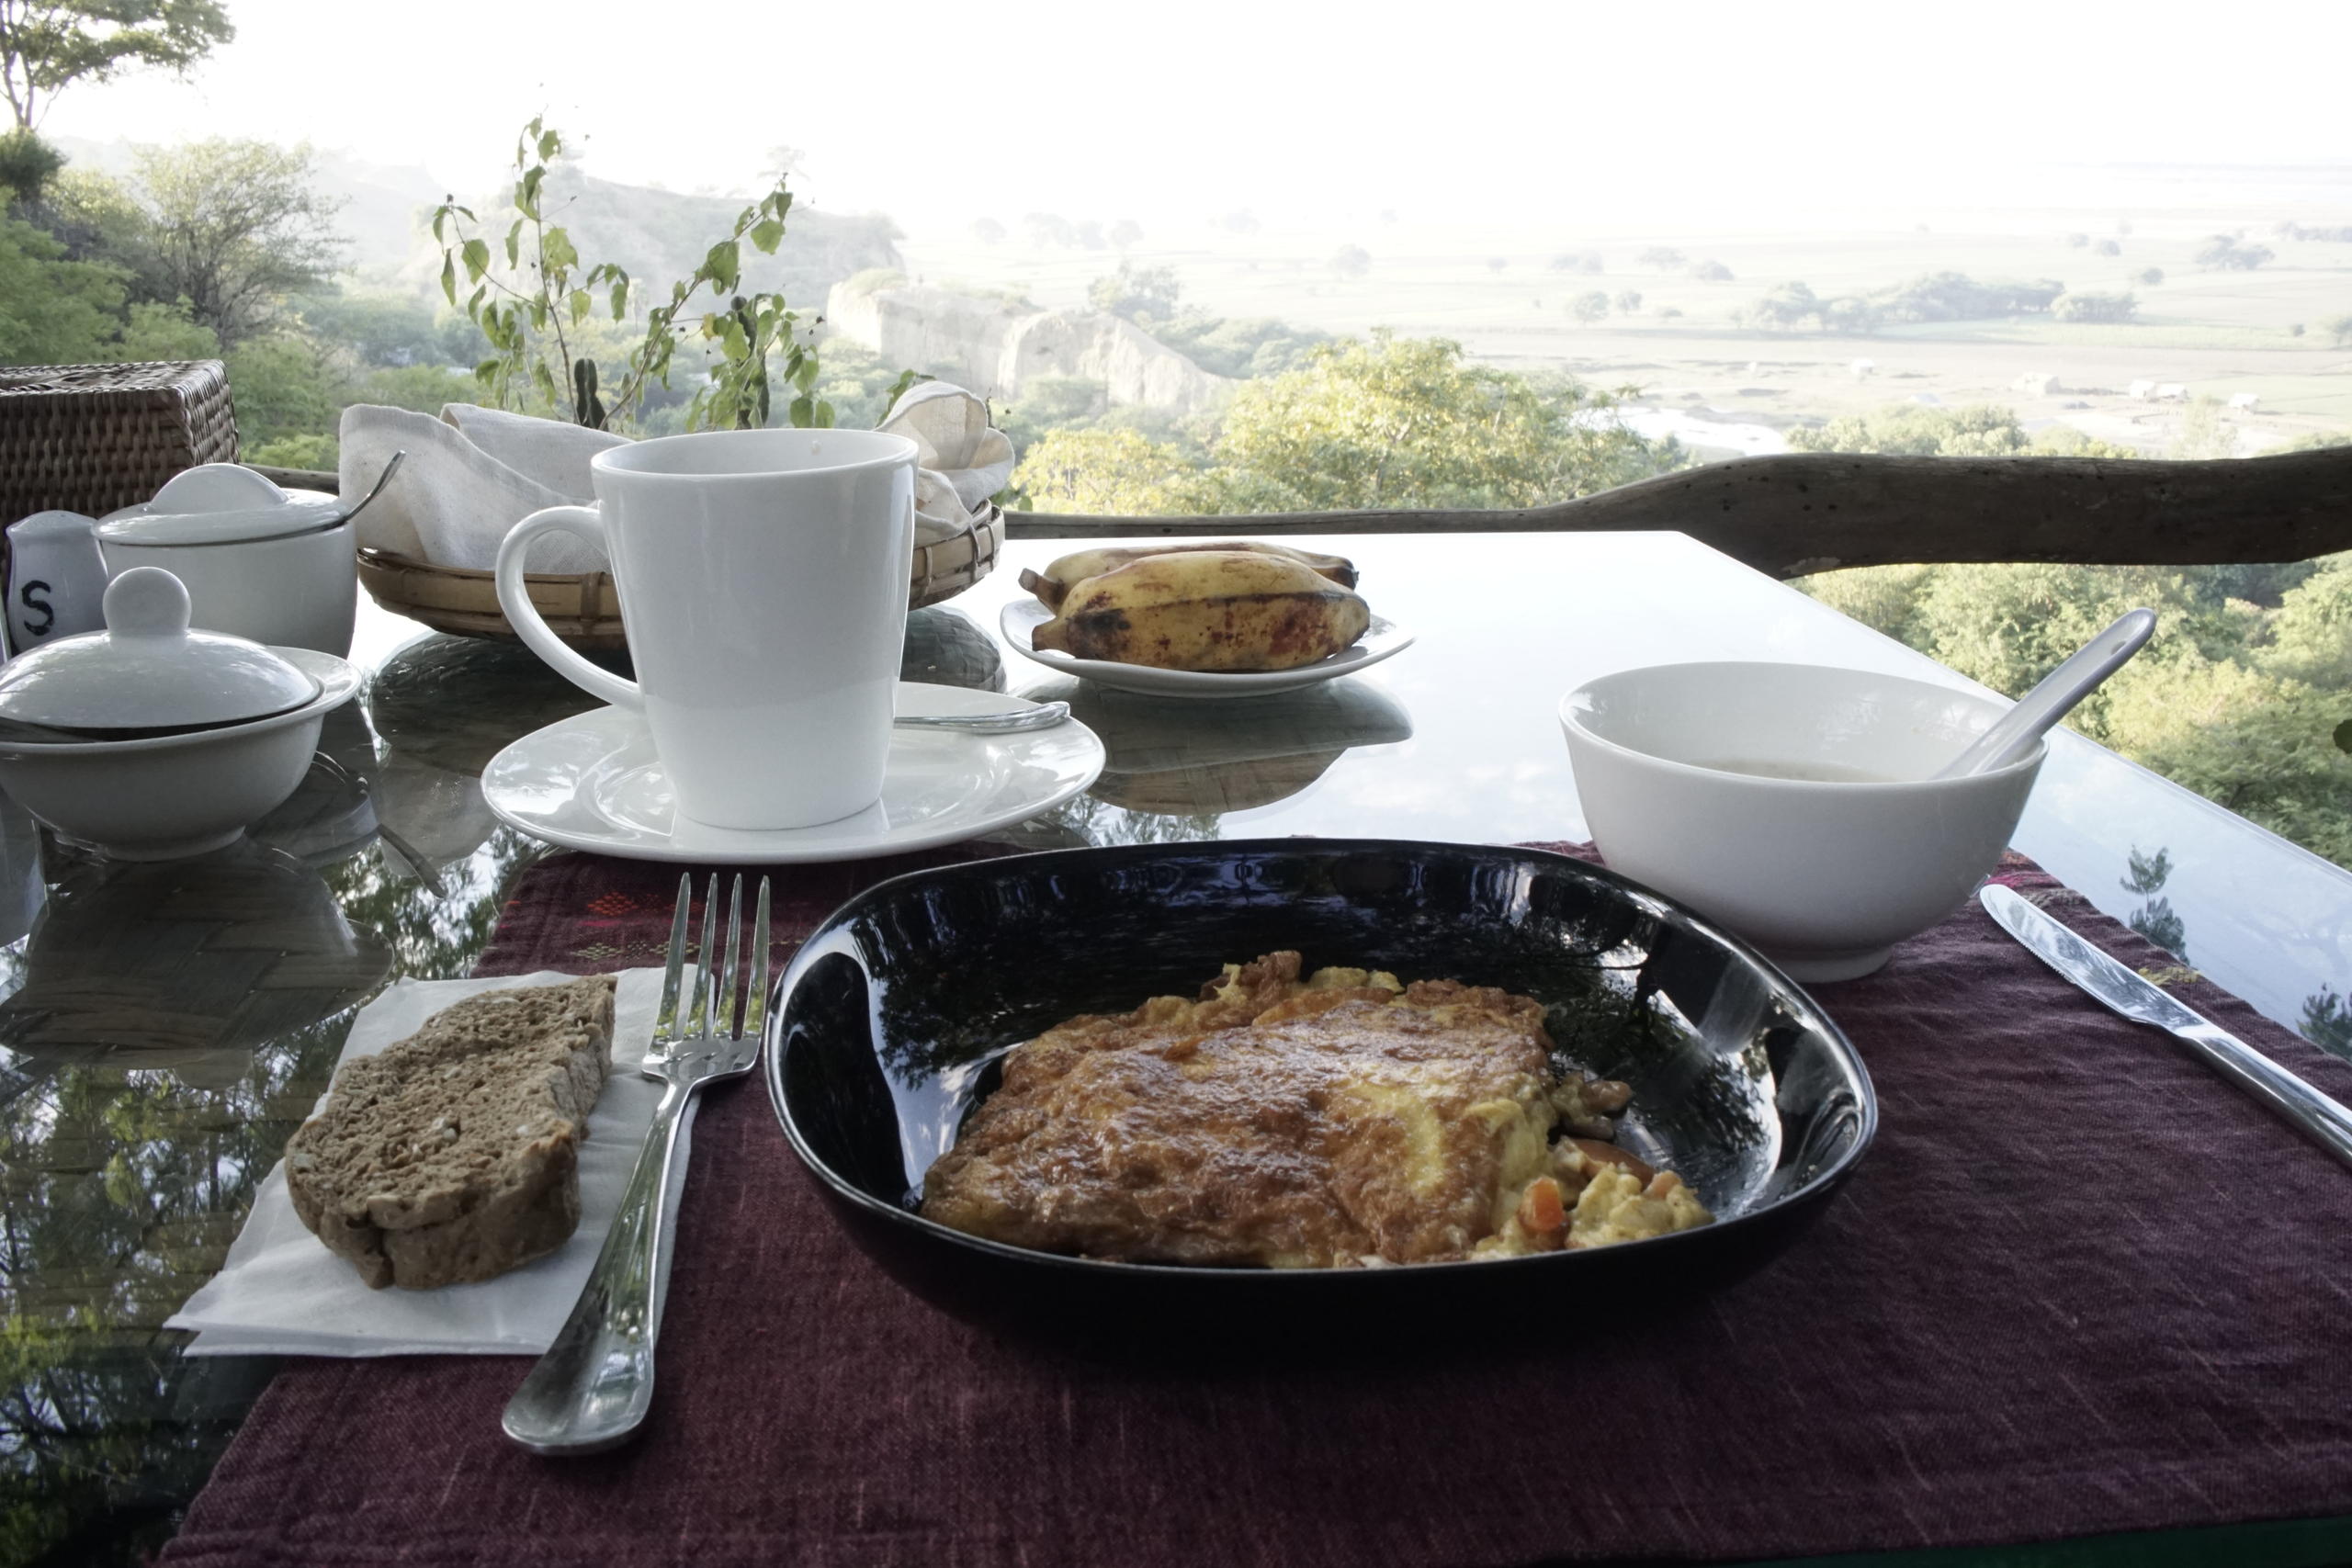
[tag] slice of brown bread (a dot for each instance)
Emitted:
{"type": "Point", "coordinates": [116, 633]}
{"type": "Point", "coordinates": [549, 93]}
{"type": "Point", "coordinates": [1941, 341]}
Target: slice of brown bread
{"type": "Point", "coordinates": [454, 1155]}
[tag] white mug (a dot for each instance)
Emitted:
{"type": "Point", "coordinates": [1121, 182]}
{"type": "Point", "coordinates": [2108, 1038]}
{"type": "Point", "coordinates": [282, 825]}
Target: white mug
{"type": "Point", "coordinates": [763, 578]}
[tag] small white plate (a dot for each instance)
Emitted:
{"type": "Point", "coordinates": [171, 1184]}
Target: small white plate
{"type": "Point", "coordinates": [591, 781]}
{"type": "Point", "coordinates": [1021, 618]}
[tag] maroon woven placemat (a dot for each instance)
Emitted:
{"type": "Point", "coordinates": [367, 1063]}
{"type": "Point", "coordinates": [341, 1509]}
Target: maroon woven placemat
{"type": "Point", "coordinates": [2078, 1286]}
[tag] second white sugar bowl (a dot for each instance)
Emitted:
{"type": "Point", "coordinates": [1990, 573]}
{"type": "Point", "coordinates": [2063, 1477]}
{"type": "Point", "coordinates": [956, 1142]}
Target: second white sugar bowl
{"type": "Point", "coordinates": [149, 740]}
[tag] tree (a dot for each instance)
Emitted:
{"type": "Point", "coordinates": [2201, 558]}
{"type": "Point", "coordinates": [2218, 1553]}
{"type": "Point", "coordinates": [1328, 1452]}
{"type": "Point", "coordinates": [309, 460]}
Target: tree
{"type": "Point", "coordinates": [1712, 271]}
{"type": "Point", "coordinates": [2109, 308]}
{"type": "Point", "coordinates": [1955, 297]}
{"type": "Point", "coordinates": [2078, 241]}
{"type": "Point", "coordinates": [47, 45]}
{"type": "Point", "coordinates": [28, 165]}
{"type": "Point", "coordinates": [1050, 229]}
{"type": "Point", "coordinates": [987, 231]}
{"type": "Point", "coordinates": [2327, 1021]}
{"type": "Point", "coordinates": [2107, 248]}
{"type": "Point", "coordinates": [1788, 305]}
{"type": "Point", "coordinates": [1408, 422]}
{"type": "Point", "coordinates": [1145, 296]}
{"type": "Point", "coordinates": [1660, 258]}
{"type": "Point", "coordinates": [285, 386]}
{"type": "Point", "coordinates": [234, 228]}
{"type": "Point", "coordinates": [53, 310]}
{"type": "Point", "coordinates": [1236, 346]}
{"type": "Point", "coordinates": [1590, 306]}
{"type": "Point", "coordinates": [2203, 434]}
{"type": "Point", "coordinates": [1126, 232]}
{"type": "Point", "coordinates": [1627, 301]}
{"type": "Point", "coordinates": [1852, 314]}
{"type": "Point", "coordinates": [1116, 471]}
{"type": "Point", "coordinates": [1351, 261]}
{"type": "Point", "coordinates": [2151, 276]}
{"type": "Point", "coordinates": [1577, 260]}
{"type": "Point", "coordinates": [2224, 252]}
{"type": "Point", "coordinates": [1980, 430]}
{"type": "Point", "coordinates": [2339, 328]}
{"type": "Point", "coordinates": [1391, 422]}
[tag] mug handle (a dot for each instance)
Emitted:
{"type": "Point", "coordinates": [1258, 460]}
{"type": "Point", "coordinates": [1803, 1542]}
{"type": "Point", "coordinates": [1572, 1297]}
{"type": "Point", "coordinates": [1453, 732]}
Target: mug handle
{"type": "Point", "coordinates": [515, 599]}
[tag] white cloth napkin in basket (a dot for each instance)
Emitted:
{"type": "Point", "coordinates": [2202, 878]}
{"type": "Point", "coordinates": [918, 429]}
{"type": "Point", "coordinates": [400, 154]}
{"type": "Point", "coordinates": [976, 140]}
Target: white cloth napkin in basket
{"type": "Point", "coordinates": [473, 473]}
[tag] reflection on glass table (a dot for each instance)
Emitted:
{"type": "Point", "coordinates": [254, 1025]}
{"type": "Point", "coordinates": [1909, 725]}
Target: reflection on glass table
{"type": "Point", "coordinates": [1182, 758]}
{"type": "Point", "coordinates": [163, 1029]}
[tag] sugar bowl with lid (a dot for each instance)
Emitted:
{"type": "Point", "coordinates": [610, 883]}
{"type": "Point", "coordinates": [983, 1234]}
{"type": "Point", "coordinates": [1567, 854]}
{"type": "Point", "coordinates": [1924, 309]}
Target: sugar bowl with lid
{"type": "Point", "coordinates": [150, 741]}
{"type": "Point", "coordinates": [276, 566]}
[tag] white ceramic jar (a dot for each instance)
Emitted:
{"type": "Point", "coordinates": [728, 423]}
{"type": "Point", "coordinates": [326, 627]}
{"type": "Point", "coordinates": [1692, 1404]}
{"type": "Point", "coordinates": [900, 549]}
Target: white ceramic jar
{"type": "Point", "coordinates": [260, 562]}
{"type": "Point", "coordinates": [163, 742]}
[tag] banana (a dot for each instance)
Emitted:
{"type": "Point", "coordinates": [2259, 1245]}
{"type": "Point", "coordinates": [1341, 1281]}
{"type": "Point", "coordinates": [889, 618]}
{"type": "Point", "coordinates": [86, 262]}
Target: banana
{"type": "Point", "coordinates": [1210, 610]}
{"type": "Point", "coordinates": [1056, 581]}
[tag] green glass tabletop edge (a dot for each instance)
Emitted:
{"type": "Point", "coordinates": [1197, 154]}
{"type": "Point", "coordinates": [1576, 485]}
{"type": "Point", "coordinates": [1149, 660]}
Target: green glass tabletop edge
{"type": "Point", "coordinates": [2262, 1543]}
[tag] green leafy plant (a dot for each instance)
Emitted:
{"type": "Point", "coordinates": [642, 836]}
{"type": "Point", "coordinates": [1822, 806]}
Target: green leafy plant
{"type": "Point", "coordinates": [541, 315]}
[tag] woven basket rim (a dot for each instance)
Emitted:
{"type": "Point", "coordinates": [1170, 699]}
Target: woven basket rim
{"type": "Point", "coordinates": [394, 560]}
{"type": "Point", "coordinates": [131, 376]}
{"type": "Point", "coordinates": [375, 555]}
{"type": "Point", "coordinates": [982, 537]}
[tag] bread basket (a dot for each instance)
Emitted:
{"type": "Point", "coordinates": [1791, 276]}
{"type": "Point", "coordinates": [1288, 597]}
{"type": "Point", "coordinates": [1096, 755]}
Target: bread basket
{"type": "Point", "coordinates": [584, 609]}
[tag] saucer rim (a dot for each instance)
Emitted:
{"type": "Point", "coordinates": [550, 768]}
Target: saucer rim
{"type": "Point", "coordinates": [750, 851]}
{"type": "Point", "coordinates": [1017, 619]}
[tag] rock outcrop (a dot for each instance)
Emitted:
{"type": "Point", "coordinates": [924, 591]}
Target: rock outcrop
{"type": "Point", "coordinates": [998, 349]}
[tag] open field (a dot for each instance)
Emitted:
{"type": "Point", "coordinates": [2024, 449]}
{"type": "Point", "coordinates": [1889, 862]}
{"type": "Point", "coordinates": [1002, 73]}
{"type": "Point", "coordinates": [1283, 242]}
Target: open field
{"type": "Point", "coordinates": [2218, 334]}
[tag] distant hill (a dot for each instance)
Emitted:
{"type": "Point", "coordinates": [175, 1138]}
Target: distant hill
{"type": "Point", "coordinates": [661, 236]}
{"type": "Point", "coordinates": [658, 235]}
{"type": "Point", "coordinates": [1000, 349]}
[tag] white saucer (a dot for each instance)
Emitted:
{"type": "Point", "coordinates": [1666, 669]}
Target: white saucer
{"type": "Point", "coordinates": [591, 781]}
{"type": "Point", "coordinates": [1022, 616]}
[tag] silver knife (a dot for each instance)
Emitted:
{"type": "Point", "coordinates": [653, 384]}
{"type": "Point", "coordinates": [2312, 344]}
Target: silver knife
{"type": "Point", "coordinates": [2328, 1123]}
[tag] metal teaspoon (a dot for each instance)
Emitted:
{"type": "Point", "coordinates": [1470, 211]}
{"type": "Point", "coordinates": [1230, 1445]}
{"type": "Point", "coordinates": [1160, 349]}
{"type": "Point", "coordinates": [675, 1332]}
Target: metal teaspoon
{"type": "Point", "coordinates": [1045, 716]}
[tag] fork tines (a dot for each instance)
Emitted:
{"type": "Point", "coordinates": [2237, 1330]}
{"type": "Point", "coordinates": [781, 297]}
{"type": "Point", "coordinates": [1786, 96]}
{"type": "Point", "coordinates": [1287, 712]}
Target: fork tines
{"type": "Point", "coordinates": [725, 1001]}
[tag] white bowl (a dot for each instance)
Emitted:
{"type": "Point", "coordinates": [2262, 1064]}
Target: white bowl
{"type": "Point", "coordinates": [1826, 867]}
{"type": "Point", "coordinates": [171, 795]}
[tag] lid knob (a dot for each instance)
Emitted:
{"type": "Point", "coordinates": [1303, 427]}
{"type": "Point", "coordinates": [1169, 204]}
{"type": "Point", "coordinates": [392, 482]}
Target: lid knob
{"type": "Point", "coordinates": [146, 601]}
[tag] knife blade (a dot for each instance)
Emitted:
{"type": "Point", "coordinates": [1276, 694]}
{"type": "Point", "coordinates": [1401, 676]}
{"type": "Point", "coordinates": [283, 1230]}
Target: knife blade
{"type": "Point", "coordinates": [2327, 1122]}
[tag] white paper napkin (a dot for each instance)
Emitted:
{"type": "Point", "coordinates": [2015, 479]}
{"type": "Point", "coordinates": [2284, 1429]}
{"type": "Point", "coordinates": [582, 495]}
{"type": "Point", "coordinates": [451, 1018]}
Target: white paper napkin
{"type": "Point", "coordinates": [473, 473]}
{"type": "Point", "coordinates": [469, 477]}
{"type": "Point", "coordinates": [282, 1292]}
{"type": "Point", "coordinates": [962, 459]}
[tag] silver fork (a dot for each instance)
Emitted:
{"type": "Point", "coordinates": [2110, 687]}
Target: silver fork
{"type": "Point", "coordinates": [592, 1389]}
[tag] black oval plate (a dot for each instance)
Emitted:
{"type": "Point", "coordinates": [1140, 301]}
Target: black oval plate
{"type": "Point", "coordinates": [891, 1019]}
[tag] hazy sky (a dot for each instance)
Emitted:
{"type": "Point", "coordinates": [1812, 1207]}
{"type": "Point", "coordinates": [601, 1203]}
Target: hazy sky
{"type": "Point", "coordinates": [1494, 112]}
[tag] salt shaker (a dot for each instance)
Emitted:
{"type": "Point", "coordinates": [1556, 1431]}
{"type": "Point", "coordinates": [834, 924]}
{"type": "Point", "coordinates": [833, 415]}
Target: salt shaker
{"type": "Point", "coordinates": [57, 579]}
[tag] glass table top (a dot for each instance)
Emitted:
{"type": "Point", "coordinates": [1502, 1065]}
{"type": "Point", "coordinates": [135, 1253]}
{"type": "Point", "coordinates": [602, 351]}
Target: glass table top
{"type": "Point", "coordinates": [164, 1028]}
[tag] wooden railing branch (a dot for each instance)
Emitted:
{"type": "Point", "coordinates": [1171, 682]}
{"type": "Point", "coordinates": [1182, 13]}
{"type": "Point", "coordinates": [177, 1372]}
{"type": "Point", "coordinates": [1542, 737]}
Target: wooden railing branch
{"type": "Point", "coordinates": [1808, 512]}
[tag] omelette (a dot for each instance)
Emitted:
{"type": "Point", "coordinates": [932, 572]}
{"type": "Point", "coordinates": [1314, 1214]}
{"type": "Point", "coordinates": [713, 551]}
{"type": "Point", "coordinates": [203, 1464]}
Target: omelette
{"type": "Point", "coordinates": [1342, 1119]}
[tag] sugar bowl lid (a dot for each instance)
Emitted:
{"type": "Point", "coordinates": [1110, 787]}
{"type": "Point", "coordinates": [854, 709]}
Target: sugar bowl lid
{"type": "Point", "coordinates": [148, 670]}
{"type": "Point", "coordinates": [220, 503]}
